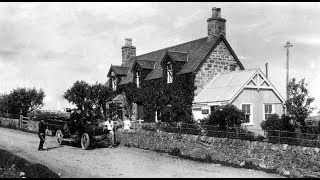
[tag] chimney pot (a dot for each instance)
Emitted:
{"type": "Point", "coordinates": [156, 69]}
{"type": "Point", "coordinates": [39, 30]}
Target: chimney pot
{"type": "Point", "coordinates": [128, 42]}
{"type": "Point", "coordinates": [215, 12]}
{"type": "Point", "coordinates": [267, 70]}
{"type": "Point", "coordinates": [216, 24]}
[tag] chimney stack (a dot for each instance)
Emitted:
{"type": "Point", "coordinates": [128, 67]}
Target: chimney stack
{"type": "Point", "coordinates": [216, 24]}
{"type": "Point", "coordinates": [267, 70]}
{"type": "Point", "coordinates": [128, 50]}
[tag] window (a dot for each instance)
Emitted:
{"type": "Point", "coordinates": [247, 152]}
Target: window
{"type": "Point", "coordinates": [268, 111]}
{"type": "Point", "coordinates": [232, 67]}
{"type": "Point", "coordinates": [113, 83]}
{"type": "Point", "coordinates": [205, 111]}
{"type": "Point", "coordinates": [213, 108]}
{"type": "Point", "coordinates": [169, 72]}
{"type": "Point", "coordinates": [246, 108]}
{"type": "Point", "coordinates": [138, 78]}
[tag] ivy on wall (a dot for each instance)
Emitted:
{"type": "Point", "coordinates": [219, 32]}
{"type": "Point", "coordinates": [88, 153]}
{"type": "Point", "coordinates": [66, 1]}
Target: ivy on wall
{"type": "Point", "coordinates": [173, 101]}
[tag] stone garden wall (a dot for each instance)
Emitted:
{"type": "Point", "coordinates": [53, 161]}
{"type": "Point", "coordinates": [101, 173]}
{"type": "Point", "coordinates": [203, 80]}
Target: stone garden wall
{"type": "Point", "coordinates": [30, 126]}
{"type": "Point", "coordinates": [293, 161]}
{"type": "Point", "coordinates": [9, 121]}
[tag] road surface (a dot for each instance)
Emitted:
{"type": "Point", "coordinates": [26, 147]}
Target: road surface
{"type": "Point", "coordinates": [122, 161]}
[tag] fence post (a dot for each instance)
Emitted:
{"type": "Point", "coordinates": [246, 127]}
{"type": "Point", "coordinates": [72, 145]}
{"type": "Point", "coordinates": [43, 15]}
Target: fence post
{"type": "Point", "coordinates": [236, 132]}
{"type": "Point", "coordinates": [20, 121]}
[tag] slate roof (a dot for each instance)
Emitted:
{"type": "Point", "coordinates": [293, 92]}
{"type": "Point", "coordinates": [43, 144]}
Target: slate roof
{"type": "Point", "coordinates": [119, 70]}
{"type": "Point", "coordinates": [192, 52]}
{"type": "Point", "coordinates": [118, 98]}
{"type": "Point", "coordinates": [145, 64]}
{"type": "Point", "coordinates": [224, 86]}
{"type": "Point", "coordinates": [178, 56]}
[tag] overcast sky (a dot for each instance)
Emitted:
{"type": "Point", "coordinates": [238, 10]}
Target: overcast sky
{"type": "Point", "coordinates": [52, 45]}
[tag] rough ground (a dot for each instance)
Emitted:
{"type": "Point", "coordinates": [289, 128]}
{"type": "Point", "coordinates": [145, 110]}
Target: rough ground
{"type": "Point", "coordinates": [70, 161]}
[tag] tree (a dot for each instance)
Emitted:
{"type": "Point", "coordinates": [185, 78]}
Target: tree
{"type": "Point", "coordinates": [89, 98]}
{"type": "Point", "coordinates": [299, 102]}
{"type": "Point", "coordinates": [100, 94]}
{"type": "Point", "coordinates": [4, 105]}
{"type": "Point", "coordinates": [78, 94]}
{"type": "Point", "coordinates": [23, 100]}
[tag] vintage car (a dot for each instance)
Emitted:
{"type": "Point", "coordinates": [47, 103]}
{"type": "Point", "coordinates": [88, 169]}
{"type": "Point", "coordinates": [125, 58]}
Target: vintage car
{"type": "Point", "coordinates": [86, 134]}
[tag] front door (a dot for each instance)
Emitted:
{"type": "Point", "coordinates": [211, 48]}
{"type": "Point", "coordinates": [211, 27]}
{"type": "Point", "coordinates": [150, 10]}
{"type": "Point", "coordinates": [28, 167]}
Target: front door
{"type": "Point", "coordinates": [140, 112]}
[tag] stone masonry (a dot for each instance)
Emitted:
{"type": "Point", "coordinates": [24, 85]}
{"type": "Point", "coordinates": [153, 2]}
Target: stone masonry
{"type": "Point", "coordinates": [219, 60]}
{"type": "Point", "coordinates": [128, 50]}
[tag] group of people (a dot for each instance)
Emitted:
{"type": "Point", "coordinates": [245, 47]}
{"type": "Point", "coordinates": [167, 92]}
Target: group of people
{"type": "Point", "coordinates": [75, 125]}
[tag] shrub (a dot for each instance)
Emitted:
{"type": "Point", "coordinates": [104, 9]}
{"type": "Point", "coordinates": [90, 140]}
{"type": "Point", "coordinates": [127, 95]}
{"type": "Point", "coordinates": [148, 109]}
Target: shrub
{"type": "Point", "coordinates": [245, 134]}
{"type": "Point", "coordinates": [149, 126]}
{"type": "Point", "coordinates": [222, 120]}
{"type": "Point", "coordinates": [283, 125]}
{"type": "Point", "coordinates": [260, 138]}
{"type": "Point", "coordinates": [11, 126]}
{"type": "Point", "coordinates": [228, 115]}
{"type": "Point", "coordinates": [175, 151]}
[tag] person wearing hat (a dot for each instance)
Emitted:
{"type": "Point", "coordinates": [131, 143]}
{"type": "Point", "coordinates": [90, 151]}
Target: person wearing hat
{"type": "Point", "coordinates": [74, 118]}
{"type": "Point", "coordinates": [42, 133]}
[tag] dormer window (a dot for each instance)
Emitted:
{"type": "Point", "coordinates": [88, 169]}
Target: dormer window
{"type": "Point", "coordinates": [113, 83]}
{"type": "Point", "coordinates": [169, 72]}
{"type": "Point", "coordinates": [138, 78]}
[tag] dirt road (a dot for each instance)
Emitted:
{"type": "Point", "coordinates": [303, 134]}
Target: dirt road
{"type": "Point", "coordinates": [122, 161]}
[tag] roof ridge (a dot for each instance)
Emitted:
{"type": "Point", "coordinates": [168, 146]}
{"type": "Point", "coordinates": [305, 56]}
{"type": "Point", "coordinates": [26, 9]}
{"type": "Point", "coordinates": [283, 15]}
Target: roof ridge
{"type": "Point", "coordinates": [177, 51]}
{"type": "Point", "coordinates": [239, 71]}
{"type": "Point", "coordinates": [170, 47]}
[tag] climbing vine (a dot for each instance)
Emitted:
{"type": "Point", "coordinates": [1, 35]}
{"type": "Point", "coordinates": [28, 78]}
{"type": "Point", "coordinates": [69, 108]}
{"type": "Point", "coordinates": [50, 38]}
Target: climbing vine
{"type": "Point", "coordinates": [172, 101]}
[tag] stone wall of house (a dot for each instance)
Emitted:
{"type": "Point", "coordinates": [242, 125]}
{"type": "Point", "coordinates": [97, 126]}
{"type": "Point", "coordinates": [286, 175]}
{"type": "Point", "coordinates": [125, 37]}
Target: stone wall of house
{"type": "Point", "coordinates": [294, 161]}
{"type": "Point", "coordinates": [218, 61]}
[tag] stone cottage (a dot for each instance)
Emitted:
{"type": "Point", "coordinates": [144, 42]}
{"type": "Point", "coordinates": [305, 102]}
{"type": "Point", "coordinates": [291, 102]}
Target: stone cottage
{"type": "Point", "coordinates": [193, 64]}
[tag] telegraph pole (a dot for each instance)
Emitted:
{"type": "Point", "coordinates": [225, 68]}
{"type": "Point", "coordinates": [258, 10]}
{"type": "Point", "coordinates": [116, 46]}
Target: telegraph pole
{"type": "Point", "coordinates": [287, 46]}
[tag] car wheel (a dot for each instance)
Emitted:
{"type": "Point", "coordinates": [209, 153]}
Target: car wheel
{"type": "Point", "coordinates": [59, 137]}
{"type": "Point", "coordinates": [85, 141]}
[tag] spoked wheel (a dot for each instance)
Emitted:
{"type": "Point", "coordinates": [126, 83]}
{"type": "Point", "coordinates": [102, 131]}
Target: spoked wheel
{"type": "Point", "coordinates": [85, 141]}
{"type": "Point", "coordinates": [59, 137]}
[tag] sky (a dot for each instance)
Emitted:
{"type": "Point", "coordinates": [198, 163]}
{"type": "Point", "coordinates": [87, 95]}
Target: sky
{"type": "Point", "coordinates": [51, 45]}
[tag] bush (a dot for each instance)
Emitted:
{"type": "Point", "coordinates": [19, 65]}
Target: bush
{"type": "Point", "coordinates": [149, 126]}
{"type": "Point", "coordinates": [9, 115]}
{"type": "Point", "coordinates": [11, 126]}
{"type": "Point", "coordinates": [260, 138]}
{"type": "Point", "coordinates": [228, 115]}
{"type": "Point", "coordinates": [275, 125]}
{"type": "Point", "coordinates": [175, 151]}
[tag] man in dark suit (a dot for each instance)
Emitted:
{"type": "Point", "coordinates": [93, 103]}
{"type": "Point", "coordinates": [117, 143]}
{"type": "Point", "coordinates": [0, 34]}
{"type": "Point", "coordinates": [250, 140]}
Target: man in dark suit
{"type": "Point", "coordinates": [73, 121]}
{"type": "Point", "coordinates": [42, 133]}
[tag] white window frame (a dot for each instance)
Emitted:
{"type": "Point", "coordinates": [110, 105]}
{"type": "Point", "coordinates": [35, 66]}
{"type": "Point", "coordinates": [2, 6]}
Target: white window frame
{"type": "Point", "coordinates": [138, 78]}
{"type": "Point", "coordinates": [169, 76]}
{"type": "Point", "coordinates": [114, 83]}
{"type": "Point", "coordinates": [263, 110]}
{"type": "Point", "coordinates": [251, 113]}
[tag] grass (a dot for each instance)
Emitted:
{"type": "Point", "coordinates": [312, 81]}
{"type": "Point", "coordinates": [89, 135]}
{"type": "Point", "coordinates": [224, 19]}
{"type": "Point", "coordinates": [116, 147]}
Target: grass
{"type": "Point", "coordinates": [11, 166]}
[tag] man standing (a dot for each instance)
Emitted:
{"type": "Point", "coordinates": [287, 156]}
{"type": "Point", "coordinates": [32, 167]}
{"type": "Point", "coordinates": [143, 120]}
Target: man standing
{"type": "Point", "coordinates": [109, 126]}
{"type": "Point", "coordinates": [73, 121]}
{"type": "Point", "coordinates": [42, 134]}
